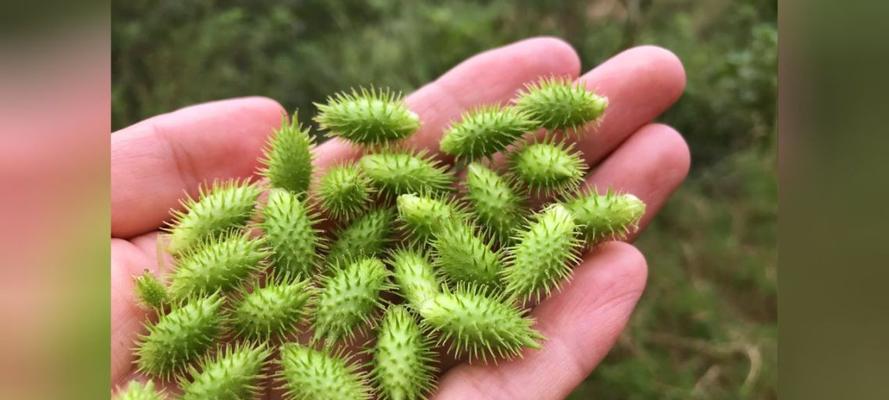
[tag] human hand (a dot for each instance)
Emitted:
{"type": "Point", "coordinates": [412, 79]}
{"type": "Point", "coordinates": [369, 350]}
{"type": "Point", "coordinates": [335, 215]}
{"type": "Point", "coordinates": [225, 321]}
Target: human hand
{"type": "Point", "coordinates": [157, 160]}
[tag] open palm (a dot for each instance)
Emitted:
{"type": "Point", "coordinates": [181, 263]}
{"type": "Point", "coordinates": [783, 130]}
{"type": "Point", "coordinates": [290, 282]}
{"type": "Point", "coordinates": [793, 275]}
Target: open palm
{"type": "Point", "coordinates": [154, 162]}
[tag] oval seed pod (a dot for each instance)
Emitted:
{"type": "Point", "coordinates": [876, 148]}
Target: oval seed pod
{"type": "Point", "coordinates": [414, 276]}
{"type": "Point", "coordinates": [543, 255]}
{"type": "Point", "coordinates": [136, 390]}
{"type": "Point", "coordinates": [309, 374]}
{"type": "Point", "coordinates": [271, 311]}
{"type": "Point", "coordinates": [150, 293]}
{"type": "Point", "coordinates": [234, 373]}
{"type": "Point", "coordinates": [219, 264]}
{"type": "Point", "coordinates": [289, 227]}
{"type": "Point", "coordinates": [349, 299]}
{"type": "Point", "coordinates": [345, 192]}
{"type": "Point", "coordinates": [180, 337]}
{"type": "Point", "coordinates": [397, 172]}
{"type": "Point", "coordinates": [402, 358]}
{"type": "Point", "coordinates": [367, 236]}
{"type": "Point", "coordinates": [367, 116]}
{"type": "Point", "coordinates": [561, 104]}
{"type": "Point", "coordinates": [548, 167]}
{"type": "Point", "coordinates": [606, 217]}
{"type": "Point", "coordinates": [219, 209]}
{"type": "Point", "coordinates": [464, 256]}
{"type": "Point", "coordinates": [424, 215]}
{"type": "Point", "coordinates": [494, 200]}
{"type": "Point", "coordinates": [472, 322]}
{"type": "Point", "coordinates": [287, 157]}
{"type": "Point", "coordinates": [486, 130]}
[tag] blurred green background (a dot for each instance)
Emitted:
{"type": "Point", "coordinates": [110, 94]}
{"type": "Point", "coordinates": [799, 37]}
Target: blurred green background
{"type": "Point", "coordinates": [707, 325]}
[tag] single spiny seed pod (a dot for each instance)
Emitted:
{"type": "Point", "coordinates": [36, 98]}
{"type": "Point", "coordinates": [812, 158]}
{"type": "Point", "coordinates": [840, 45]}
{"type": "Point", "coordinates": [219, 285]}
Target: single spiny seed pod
{"type": "Point", "coordinates": [180, 337]}
{"type": "Point", "coordinates": [465, 256]}
{"type": "Point", "coordinates": [494, 201]}
{"type": "Point", "coordinates": [289, 227]}
{"type": "Point", "coordinates": [217, 210]}
{"type": "Point", "coordinates": [414, 276]}
{"type": "Point", "coordinates": [367, 116]}
{"type": "Point", "coordinates": [367, 236]}
{"type": "Point", "coordinates": [271, 311]}
{"type": "Point", "coordinates": [548, 167]}
{"type": "Point", "coordinates": [150, 293]}
{"type": "Point", "coordinates": [287, 161]}
{"type": "Point", "coordinates": [560, 104]}
{"type": "Point", "coordinates": [136, 390]}
{"type": "Point", "coordinates": [217, 264]}
{"type": "Point", "coordinates": [605, 217]}
{"type": "Point", "coordinates": [309, 374]}
{"type": "Point", "coordinates": [472, 322]}
{"type": "Point", "coordinates": [349, 299]}
{"type": "Point", "coordinates": [543, 255]}
{"type": "Point", "coordinates": [396, 172]}
{"type": "Point", "coordinates": [424, 215]}
{"type": "Point", "coordinates": [403, 360]}
{"type": "Point", "coordinates": [233, 373]}
{"type": "Point", "coordinates": [345, 192]}
{"type": "Point", "coordinates": [484, 131]}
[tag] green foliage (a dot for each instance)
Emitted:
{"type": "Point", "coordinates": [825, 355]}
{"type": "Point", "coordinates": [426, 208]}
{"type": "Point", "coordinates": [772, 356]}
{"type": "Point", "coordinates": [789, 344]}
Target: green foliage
{"type": "Point", "coordinates": [234, 373]}
{"type": "Point", "coordinates": [548, 167]}
{"type": "Point", "coordinates": [464, 256]}
{"type": "Point", "coordinates": [136, 390]}
{"type": "Point", "coordinates": [222, 207]}
{"type": "Point", "coordinates": [483, 131]}
{"type": "Point", "coordinates": [367, 236]}
{"type": "Point", "coordinates": [345, 192]}
{"type": "Point", "coordinates": [475, 324]}
{"type": "Point", "coordinates": [288, 157]}
{"type": "Point", "coordinates": [397, 172]}
{"type": "Point", "coordinates": [272, 310]}
{"type": "Point", "coordinates": [494, 200]}
{"type": "Point", "coordinates": [561, 104]}
{"type": "Point", "coordinates": [180, 337]}
{"type": "Point", "coordinates": [309, 374]}
{"type": "Point", "coordinates": [606, 216]}
{"type": "Point", "coordinates": [289, 227]}
{"type": "Point", "coordinates": [217, 264]}
{"type": "Point", "coordinates": [403, 358]}
{"type": "Point", "coordinates": [150, 292]}
{"type": "Point", "coordinates": [414, 276]}
{"type": "Point", "coordinates": [423, 216]}
{"type": "Point", "coordinates": [349, 299]}
{"type": "Point", "coordinates": [367, 117]}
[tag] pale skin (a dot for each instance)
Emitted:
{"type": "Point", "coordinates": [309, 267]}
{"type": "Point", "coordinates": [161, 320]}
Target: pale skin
{"type": "Point", "coordinates": [156, 161]}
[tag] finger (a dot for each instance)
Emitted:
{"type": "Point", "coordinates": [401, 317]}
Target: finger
{"type": "Point", "coordinates": [581, 323]}
{"type": "Point", "coordinates": [154, 161]}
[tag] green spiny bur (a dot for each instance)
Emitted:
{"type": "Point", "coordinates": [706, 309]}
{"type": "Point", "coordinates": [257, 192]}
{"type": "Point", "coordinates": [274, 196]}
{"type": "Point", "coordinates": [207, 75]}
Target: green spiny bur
{"type": "Point", "coordinates": [560, 104]}
{"type": "Point", "coordinates": [472, 322]}
{"type": "Point", "coordinates": [397, 172]}
{"type": "Point", "coordinates": [217, 210]}
{"type": "Point", "coordinates": [465, 256]}
{"type": "Point", "coordinates": [349, 299]}
{"type": "Point", "coordinates": [494, 201]}
{"type": "Point", "coordinates": [367, 116]}
{"type": "Point", "coordinates": [604, 217]}
{"type": "Point", "coordinates": [309, 374]}
{"type": "Point", "coordinates": [345, 192]}
{"type": "Point", "coordinates": [150, 292]}
{"type": "Point", "coordinates": [367, 236]}
{"type": "Point", "coordinates": [414, 276]}
{"type": "Point", "coordinates": [289, 229]}
{"type": "Point", "coordinates": [548, 167]}
{"type": "Point", "coordinates": [543, 255]}
{"type": "Point", "coordinates": [288, 157]}
{"type": "Point", "coordinates": [424, 215]}
{"type": "Point", "coordinates": [180, 337]}
{"type": "Point", "coordinates": [136, 390]}
{"type": "Point", "coordinates": [402, 358]}
{"type": "Point", "coordinates": [485, 131]}
{"type": "Point", "coordinates": [272, 311]}
{"type": "Point", "coordinates": [217, 264]}
{"type": "Point", "coordinates": [234, 373]}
